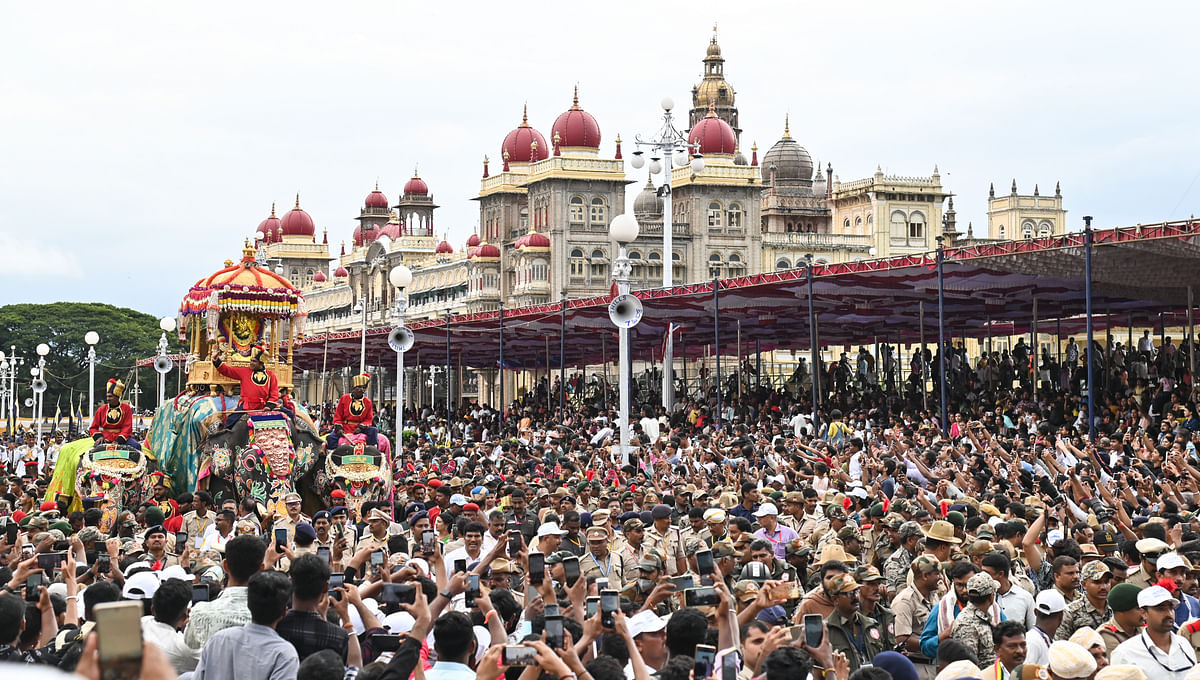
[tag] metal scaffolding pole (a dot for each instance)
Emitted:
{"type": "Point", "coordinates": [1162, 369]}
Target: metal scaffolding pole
{"type": "Point", "coordinates": [1088, 236]}
{"type": "Point", "coordinates": [943, 360]}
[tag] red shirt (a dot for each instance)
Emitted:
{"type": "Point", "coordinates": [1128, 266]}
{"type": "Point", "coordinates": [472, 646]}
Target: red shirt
{"type": "Point", "coordinates": [353, 412]}
{"type": "Point", "coordinates": [258, 387]}
{"type": "Point", "coordinates": [112, 422]}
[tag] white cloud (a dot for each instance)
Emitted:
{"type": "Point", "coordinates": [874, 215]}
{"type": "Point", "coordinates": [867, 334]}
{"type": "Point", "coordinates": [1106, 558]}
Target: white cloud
{"type": "Point", "coordinates": [24, 258]}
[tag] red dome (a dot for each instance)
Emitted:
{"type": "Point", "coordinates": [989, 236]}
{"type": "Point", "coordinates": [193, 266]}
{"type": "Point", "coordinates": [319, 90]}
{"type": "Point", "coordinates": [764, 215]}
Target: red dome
{"type": "Point", "coordinates": [320, 277]}
{"type": "Point", "coordinates": [576, 127]}
{"type": "Point", "coordinates": [340, 273]}
{"type": "Point", "coordinates": [270, 227]}
{"type": "Point", "coordinates": [376, 199]}
{"type": "Point", "coordinates": [518, 144]}
{"type": "Point", "coordinates": [533, 240]}
{"type": "Point", "coordinates": [473, 241]}
{"type": "Point", "coordinates": [416, 186]}
{"type": "Point", "coordinates": [297, 222]}
{"type": "Point", "coordinates": [487, 251]}
{"type": "Point", "coordinates": [363, 237]}
{"type": "Point", "coordinates": [444, 248]}
{"type": "Point", "coordinates": [390, 230]}
{"type": "Point", "coordinates": [713, 135]}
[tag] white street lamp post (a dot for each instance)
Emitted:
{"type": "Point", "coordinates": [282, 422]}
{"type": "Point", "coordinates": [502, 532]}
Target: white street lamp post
{"type": "Point", "coordinates": [91, 338]}
{"type": "Point", "coordinates": [401, 278]}
{"type": "Point", "coordinates": [624, 229]}
{"type": "Point", "coordinates": [675, 151]}
{"type": "Point", "coordinates": [167, 324]}
{"type": "Point", "coordinates": [40, 382]}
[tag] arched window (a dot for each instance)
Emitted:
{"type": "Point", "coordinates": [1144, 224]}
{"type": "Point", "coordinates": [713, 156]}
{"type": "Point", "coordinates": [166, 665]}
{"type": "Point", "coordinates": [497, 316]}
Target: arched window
{"type": "Point", "coordinates": [1045, 229]}
{"type": "Point", "coordinates": [899, 225]}
{"type": "Point", "coordinates": [846, 224]}
{"type": "Point", "coordinates": [654, 266]}
{"type": "Point", "coordinates": [783, 264]}
{"type": "Point", "coordinates": [1027, 229]}
{"type": "Point", "coordinates": [599, 265]}
{"type": "Point", "coordinates": [806, 228]}
{"type": "Point", "coordinates": [733, 216]}
{"type": "Point", "coordinates": [1002, 231]}
{"type": "Point", "coordinates": [599, 212]}
{"type": "Point", "coordinates": [916, 226]}
{"type": "Point", "coordinates": [870, 220]}
{"type": "Point", "coordinates": [858, 225]}
{"type": "Point", "coordinates": [714, 214]}
{"type": "Point", "coordinates": [578, 265]}
{"type": "Point", "coordinates": [678, 269]}
{"type": "Point", "coordinates": [524, 218]}
{"type": "Point", "coordinates": [576, 212]}
{"type": "Point", "coordinates": [714, 266]}
{"type": "Point", "coordinates": [308, 277]}
{"type": "Point", "coordinates": [735, 258]}
{"type": "Point", "coordinates": [541, 270]}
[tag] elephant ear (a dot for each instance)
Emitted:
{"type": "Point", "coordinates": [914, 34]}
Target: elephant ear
{"type": "Point", "coordinates": [306, 456]}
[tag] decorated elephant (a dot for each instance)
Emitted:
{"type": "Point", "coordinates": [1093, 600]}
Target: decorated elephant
{"type": "Point", "coordinates": [118, 474]}
{"type": "Point", "coordinates": [359, 470]}
{"type": "Point", "coordinates": [268, 459]}
{"type": "Point", "coordinates": [268, 455]}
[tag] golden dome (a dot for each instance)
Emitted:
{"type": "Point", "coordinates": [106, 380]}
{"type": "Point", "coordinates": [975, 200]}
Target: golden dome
{"type": "Point", "coordinates": [715, 90]}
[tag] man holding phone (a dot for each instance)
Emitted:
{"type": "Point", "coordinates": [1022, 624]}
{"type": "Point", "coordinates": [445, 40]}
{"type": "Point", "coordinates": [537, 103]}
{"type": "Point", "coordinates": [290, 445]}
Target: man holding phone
{"type": "Point", "coordinates": [305, 625]}
{"type": "Point", "coordinates": [291, 502]}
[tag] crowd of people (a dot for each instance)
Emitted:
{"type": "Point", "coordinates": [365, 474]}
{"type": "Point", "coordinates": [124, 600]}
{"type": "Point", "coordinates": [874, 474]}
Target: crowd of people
{"type": "Point", "coordinates": [738, 539]}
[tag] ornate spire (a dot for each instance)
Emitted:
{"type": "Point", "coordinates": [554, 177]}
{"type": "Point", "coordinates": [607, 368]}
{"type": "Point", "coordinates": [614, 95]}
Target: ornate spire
{"type": "Point", "coordinates": [297, 200]}
{"type": "Point", "coordinates": [1058, 189]}
{"type": "Point", "coordinates": [525, 115]}
{"type": "Point", "coordinates": [787, 126]}
{"type": "Point", "coordinates": [1035, 190]}
{"type": "Point", "coordinates": [991, 190]}
{"type": "Point", "coordinates": [714, 38]}
{"type": "Point", "coordinates": [376, 184]}
{"type": "Point", "coordinates": [273, 206]}
{"type": "Point", "coordinates": [485, 165]}
{"type": "Point", "coordinates": [618, 156]}
{"type": "Point", "coordinates": [505, 160]}
{"type": "Point", "coordinates": [712, 108]}
{"type": "Point", "coordinates": [325, 236]}
{"type": "Point", "coordinates": [754, 155]}
{"type": "Point", "coordinates": [415, 173]}
{"type": "Point", "coordinates": [1014, 187]}
{"type": "Point", "coordinates": [575, 99]}
{"type": "Point", "coordinates": [533, 151]}
{"type": "Point", "coordinates": [557, 141]}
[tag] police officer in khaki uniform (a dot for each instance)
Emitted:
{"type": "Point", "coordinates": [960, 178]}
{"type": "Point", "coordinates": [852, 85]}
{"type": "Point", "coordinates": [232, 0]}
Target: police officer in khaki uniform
{"type": "Point", "coordinates": [665, 539]}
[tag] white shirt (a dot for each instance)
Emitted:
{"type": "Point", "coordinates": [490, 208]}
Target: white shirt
{"type": "Point", "coordinates": [650, 427]}
{"type": "Point", "coordinates": [1140, 651]}
{"type": "Point", "coordinates": [1017, 605]}
{"type": "Point", "coordinates": [213, 540]}
{"type": "Point", "coordinates": [1037, 645]}
{"type": "Point", "coordinates": [170, 641]}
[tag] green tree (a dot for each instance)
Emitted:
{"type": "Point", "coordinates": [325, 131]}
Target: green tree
{"type": "Point", "coordinates": [126, 335]}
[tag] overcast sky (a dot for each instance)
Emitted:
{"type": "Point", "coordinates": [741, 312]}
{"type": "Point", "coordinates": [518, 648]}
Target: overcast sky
{"type": "Point", "coordinates": [141, 142]}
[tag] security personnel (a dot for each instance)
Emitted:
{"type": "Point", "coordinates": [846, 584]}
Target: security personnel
{"type": "Point", "coordinates": [113, 421]}
{"type": "Point", "coordinates": [354, 413]}
{"type": "Point", "coordinates": [259, 387]}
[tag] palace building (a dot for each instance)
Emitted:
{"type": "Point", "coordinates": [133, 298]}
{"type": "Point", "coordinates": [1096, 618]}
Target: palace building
{"type": "Point", "coordinates": [547, 197]}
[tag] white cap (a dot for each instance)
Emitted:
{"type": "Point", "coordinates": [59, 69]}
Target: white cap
{"type": "Point", "coordinates": [1054, 536]}
{"type": "Point", "coordinates": [1049, 602]}
{"type": "Point", "coordinates": [766, 509]}
{"type": "Point", "coordinates": [858, 492]}
{"type": "Point", "coordinates": [1170, 560]}
{"type": "Point", "coordinates": [177, 572]}
{"type": "Point", "coordinates": [140, 586]}
{"type": "Point", "coordinates": [1155, 595]}
{"type": "Point", "coordinates": [645, 622]}
{"type": "Point", "coordinates": [398, 622]}
{"type": "Point", "coordinates": [550, 529]}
